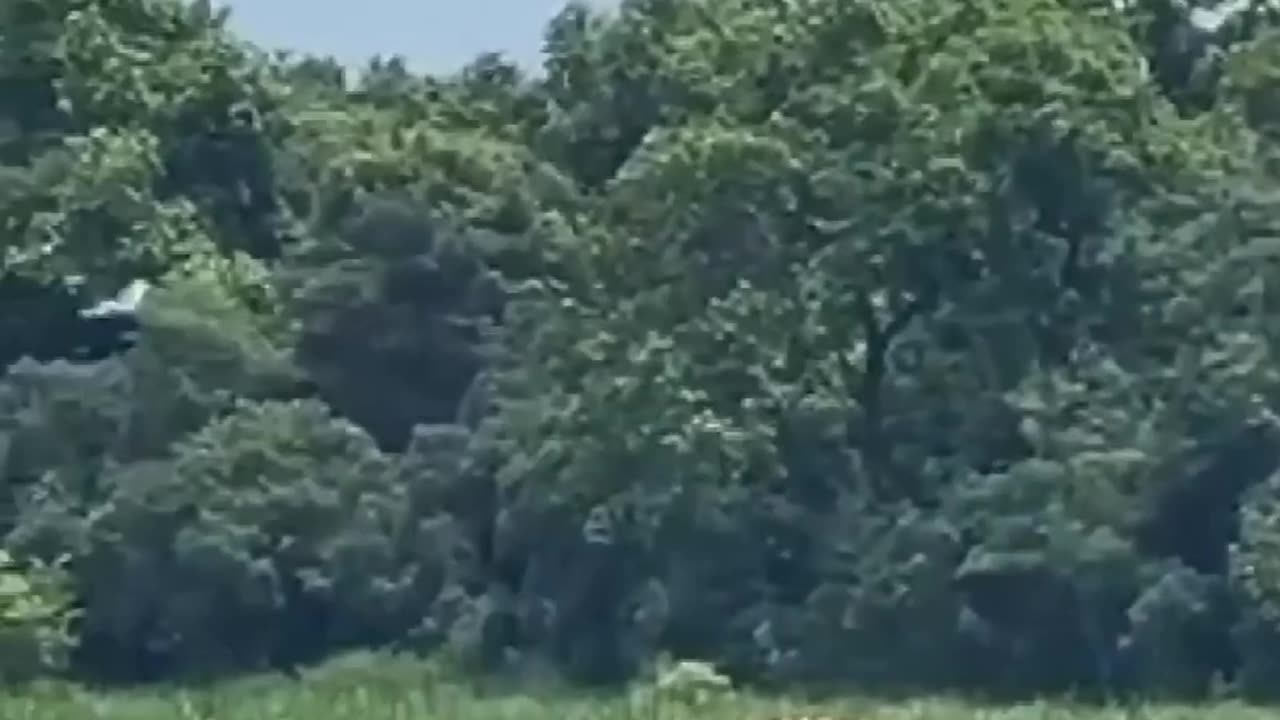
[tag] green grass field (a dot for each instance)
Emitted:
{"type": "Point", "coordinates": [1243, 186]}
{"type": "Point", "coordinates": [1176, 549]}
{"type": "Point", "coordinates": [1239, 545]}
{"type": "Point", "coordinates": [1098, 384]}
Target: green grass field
{"type": "Point", "coordinates": [364, 689]}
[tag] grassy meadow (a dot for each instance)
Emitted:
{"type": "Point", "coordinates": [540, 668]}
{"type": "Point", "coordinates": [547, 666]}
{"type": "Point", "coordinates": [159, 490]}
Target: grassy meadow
{"type": "Point", "coordinates": [367, 688]}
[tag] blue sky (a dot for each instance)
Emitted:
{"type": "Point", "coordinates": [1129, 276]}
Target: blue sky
{"type": "Point", "coordinates": [434, 35]}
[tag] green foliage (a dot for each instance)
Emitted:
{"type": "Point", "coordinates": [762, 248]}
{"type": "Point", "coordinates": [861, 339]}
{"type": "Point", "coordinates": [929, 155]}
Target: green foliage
{"type": "Point", "coordinates": [35, 619]}
{"type": "Point", "coordinates": [690, 683]}
{"type": "Point", "coordinates": [383, 687]}
{"type": "Point", "coordinates": [1254, 579]}
{"type": "Point", "coordinates": [894, 345]}
{"type": "Point", "coordinates": [272, 532]}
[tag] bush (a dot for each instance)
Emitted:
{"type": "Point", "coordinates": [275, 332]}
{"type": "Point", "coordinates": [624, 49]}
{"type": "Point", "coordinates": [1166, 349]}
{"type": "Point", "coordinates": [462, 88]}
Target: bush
{"type": "Point", "coordinates": [35, 619]}
{"type": "Point", "coordinates": [1179, 634]}
{"type": "Point", "coordinates": [1255, 581]}
{"type": "Point", "coordinates": [273, 535]}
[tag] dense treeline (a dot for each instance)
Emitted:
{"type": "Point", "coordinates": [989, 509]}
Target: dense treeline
{"type": "Point", "coordinates": [889, 345]}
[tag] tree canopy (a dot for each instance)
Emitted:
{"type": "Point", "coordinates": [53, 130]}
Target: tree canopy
{"type": "Point", "coordinates": [849, 343]}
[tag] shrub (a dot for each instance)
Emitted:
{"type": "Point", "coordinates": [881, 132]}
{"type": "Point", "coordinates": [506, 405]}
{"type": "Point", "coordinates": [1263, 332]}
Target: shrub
{"type": "Point", "coordinates": [35, 619]}
{"type": "Point", "coordinates": [1255, 581]}
{"type": "Point", "coordinates": [273, 535]}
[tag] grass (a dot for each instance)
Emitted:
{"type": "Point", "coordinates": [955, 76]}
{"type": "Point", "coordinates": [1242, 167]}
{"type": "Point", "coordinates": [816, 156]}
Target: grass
{"type": "Point", "coordinates": [369, 688]}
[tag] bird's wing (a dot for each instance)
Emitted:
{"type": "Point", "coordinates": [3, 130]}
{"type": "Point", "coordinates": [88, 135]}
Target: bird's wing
{"type": "Point", "coordinates": [125, 303]}
{"type": "Point", "coordinates": [131, 296]}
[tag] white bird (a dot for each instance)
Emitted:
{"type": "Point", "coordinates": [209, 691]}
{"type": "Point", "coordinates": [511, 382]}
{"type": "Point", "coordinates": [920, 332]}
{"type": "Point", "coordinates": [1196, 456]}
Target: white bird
{"type": "Point", "coordinates": [126, 303]}
{"type": "Point", "coordinates": [1210, 19]}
